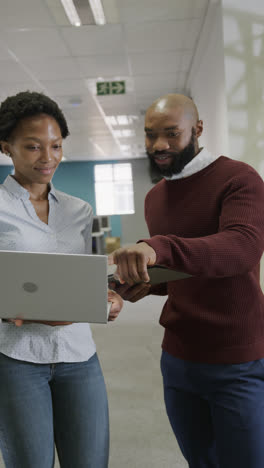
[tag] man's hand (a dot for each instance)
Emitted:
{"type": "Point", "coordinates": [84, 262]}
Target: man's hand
{"type": "Point", "coordinates": [131, 293]}
{"type": "Point", "coordinates": [117, 304]}
{"type": "Point", "coordinates": [132, 262]}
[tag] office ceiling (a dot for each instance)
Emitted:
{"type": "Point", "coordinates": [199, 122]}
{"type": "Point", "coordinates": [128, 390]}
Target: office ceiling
{"type": "Point", "coordinates": [149, 44]}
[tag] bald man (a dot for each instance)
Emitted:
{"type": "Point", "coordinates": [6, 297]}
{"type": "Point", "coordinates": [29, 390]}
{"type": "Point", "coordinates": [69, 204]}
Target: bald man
{"type": "Point", "coordinates": [205, 218]}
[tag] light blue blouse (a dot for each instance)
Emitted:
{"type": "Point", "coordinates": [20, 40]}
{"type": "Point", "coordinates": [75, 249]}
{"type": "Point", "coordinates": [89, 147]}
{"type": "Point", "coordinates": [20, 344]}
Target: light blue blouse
{"type": "Point", "coordinates": [68, 231]}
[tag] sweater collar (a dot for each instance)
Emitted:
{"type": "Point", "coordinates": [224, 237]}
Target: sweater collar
{"type": "Point", "coordinates": [203, 159]}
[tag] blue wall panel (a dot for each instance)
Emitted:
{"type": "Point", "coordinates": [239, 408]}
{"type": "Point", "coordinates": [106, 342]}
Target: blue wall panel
{"type": "Point", "coordinates": [4, 172]}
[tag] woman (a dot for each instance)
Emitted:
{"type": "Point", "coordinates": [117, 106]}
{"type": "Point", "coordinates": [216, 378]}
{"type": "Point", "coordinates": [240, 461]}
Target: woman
{"type": "Point", "coordinates": [51, 384]}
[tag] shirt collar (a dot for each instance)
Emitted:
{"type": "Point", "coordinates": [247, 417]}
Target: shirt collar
{"type": "Point", "coordinates": [12, 186]}
{"type": "Point", "coordinates": [203, 159]}
{"type": "Point", "coordinates": [53, 191]}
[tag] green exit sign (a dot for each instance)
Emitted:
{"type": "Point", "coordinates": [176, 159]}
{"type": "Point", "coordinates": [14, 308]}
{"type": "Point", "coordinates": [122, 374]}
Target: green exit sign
{"type": "Point", "coordinates": [110, 87]}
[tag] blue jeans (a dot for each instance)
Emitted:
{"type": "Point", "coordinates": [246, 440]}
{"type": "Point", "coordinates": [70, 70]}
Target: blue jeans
{"type": "Point", "coordinates": [216, 411]}
{"type": "Point", "coordinates": [65, 403]}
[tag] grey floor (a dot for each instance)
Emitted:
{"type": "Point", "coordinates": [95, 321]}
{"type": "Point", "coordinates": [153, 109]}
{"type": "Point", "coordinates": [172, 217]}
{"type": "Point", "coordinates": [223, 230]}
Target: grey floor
{"type": "Point", "coordinates": [129, 351]}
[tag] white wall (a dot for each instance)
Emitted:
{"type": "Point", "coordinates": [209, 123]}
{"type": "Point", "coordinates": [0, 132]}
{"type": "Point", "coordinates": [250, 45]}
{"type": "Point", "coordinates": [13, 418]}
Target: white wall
{"type": "Point", "coordinates": [134, 226]}
{"type": "Point", "coordinates": [206, 83]}
{"type": "Point", "coordinates": [243, 27]}
{"type": "Point", "coordinates": [227, 81]}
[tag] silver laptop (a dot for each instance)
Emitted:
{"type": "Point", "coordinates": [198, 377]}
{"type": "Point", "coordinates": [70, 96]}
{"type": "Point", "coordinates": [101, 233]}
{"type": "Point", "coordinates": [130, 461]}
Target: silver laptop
{"type": "Point", "coordinates": [47, 286]}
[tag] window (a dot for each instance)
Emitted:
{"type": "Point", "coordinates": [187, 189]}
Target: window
{"type": "Point", "coordinates": [113, 189]}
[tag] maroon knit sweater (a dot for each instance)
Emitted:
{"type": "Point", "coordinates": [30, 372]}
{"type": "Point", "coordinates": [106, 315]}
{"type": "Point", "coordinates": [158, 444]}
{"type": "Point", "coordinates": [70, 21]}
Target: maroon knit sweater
{"type": "Point", "coordinates": [211, 225]}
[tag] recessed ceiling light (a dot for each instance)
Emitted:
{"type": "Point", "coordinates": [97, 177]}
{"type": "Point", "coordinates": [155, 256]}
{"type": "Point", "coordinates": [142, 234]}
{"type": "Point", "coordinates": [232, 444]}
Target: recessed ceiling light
{"type": "Point", "coordinates": [98, 12]}
{"type": "Point", "coordinates": [118, 133]}
{"type": "Point", "coordinates": [125, 147]}
{"type": "Point", "coordinates": [128, 133]}
{"type": "Point", "coordinates": [124, 133]}
{"type": "Point", "coordinates": [122, 120]}
{"type": "Point", "coordinates": [71, 12]}
{"type": "Point", "coordinates": [111, 120]}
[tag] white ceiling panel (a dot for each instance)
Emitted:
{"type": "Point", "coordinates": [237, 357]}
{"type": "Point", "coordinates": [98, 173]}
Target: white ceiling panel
{"type": "Point", "coordinates": [88, 128]}
{"type": "Point", "coordinates": [150, 44]}
{"type": "Point", "coordinates": [53, 68]}
{"type": "Point", "coordinates": [82, 101]}
{"type": "Point", "coordinates": [181, 80]}
{"type": "Point", "coordinates": [142, 11]}
{"type": "Point", "coordinates": [12, 72]}
{"type": "Point", "coordinates": [94, 40]}
{"type": "Point", "coordinates": [4, 54]}
{"type": "Point", "coordinates": [143, 101]}
{"type": "Point", "coordinates": [192, 33]}
{"type": "Point", "coordinates": [78, 113]}
{"type": "Point", "coordinates": [66, 87]}
{"type": "Point", "coordinates": [186, 59]}
{"type": "Point", "coordinates": [103, 65]}
{"type": "Point", "coordinates": [30, 43]}
{"type": "Point", "coordinates": [156, 36]}
{"type": "Point", "coordinates": [25, 14]}
{"type": "Point", "coordinates": [148, 83]}
{"type": "Point", "coordinates": [73, 147]}
{"type": "Point", "coordinates": [12, 88]}
{"type": "Point", "coordinates": [95, 123]}
{"type": "Point", "coordinates": [118, 105]}
{"type": "Point", "coordinates": [155, 62]}
{"type": "Point", "coordinates": [83, 147]}
{"type": "Point", "coordinates": [58, 13]}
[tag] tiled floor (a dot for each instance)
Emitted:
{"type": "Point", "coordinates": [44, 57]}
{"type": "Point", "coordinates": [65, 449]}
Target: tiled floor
{"type": "Point", "coordinates": [129, 351]}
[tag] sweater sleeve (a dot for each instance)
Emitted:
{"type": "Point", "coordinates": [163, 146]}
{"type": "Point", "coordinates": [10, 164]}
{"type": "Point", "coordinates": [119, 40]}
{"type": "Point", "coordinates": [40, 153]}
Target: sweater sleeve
{"type": "Point", "coordinates": [238, 245]}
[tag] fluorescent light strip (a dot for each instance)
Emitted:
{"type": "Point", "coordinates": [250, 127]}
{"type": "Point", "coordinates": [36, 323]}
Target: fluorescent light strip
{"type": "Point", "coordinates": [71, 12]}
{"type": "Point", "coordinates": [99, 149]}
{"type": "Point", "coordinates": [98, 12]}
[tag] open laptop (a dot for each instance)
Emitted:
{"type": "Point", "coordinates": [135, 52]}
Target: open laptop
{"type": "Point", "coordinates": [48, 286]}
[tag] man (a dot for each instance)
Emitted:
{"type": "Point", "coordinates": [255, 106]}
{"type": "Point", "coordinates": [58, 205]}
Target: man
{"type": "Point", "coordinates": [205, 218]}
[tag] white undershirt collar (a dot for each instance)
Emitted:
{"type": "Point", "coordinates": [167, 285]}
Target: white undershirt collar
{"type": "Point", "coordinates": [203, 159]}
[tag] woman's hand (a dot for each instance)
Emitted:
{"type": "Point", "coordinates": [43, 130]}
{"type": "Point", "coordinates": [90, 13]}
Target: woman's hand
{"type": "Point", "coordinates": [113, 297]}
{"type": "Point", "coordinates": [117, 304]}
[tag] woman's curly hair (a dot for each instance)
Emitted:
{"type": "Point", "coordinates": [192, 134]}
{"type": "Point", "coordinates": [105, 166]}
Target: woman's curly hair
{"type": "Point", "coordinates": [27, 104]}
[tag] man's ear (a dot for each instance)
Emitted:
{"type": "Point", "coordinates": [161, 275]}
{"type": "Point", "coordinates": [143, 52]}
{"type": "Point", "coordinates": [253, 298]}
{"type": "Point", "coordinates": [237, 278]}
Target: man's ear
{"type": "Point", "coordinates": [199, 128]}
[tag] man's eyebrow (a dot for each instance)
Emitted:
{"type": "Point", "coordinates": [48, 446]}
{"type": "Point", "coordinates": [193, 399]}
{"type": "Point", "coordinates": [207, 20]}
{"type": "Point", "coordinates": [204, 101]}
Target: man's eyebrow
{"type": "Point", "coordinates": [174, 127]}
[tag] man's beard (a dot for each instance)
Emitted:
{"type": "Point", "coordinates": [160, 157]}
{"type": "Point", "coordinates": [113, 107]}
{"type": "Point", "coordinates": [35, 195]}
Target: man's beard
{"type": "Point", "coordinates": [179, 161]}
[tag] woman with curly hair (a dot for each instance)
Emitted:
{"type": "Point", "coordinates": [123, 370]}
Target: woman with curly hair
{"type": "Point", "coordinates": [51, 384]}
